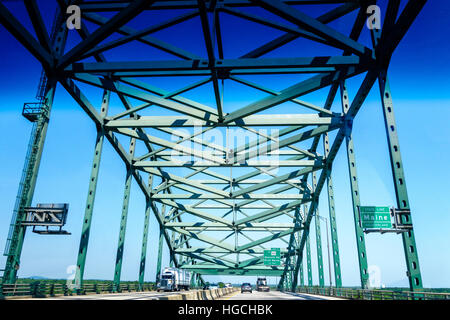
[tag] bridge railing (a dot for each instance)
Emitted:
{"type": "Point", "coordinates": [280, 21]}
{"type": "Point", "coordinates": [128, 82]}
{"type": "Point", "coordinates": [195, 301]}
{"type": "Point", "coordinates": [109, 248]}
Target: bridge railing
{"type": "Point", "coordinates": [50, 289]}
{"type": "Point", "coordinates": [373, 294]}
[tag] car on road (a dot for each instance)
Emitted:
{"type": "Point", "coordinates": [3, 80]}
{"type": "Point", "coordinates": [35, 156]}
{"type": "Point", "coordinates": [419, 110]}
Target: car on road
{"type": "Point", "coordinates": [246, 287]}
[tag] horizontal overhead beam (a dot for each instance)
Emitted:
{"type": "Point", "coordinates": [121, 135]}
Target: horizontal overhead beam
{"type": "Point", "coordinates": [114, 5]}
{"type": "Point", "coordinates": [252, 120]}
{"type": "Point", "coordinates": [219, 64]}
{"type": "Point", "coordinates": [244, 226]}
{"type": "Point", "coordinates": [250, 163]}
{"type": "Point", "coordinates": [199, 196]}
{"type": "Point", "coordinates": [219, 250]}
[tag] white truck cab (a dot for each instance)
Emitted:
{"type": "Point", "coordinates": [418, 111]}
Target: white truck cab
{"type": "Point", "coordinates": [173, 279]}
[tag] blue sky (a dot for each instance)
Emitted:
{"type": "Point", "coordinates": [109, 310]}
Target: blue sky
{"type": "Point", "coordinates": [420, 88]}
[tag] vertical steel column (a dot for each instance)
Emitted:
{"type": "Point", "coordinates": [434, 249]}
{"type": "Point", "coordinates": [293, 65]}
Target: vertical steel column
{"type": "Point", "coordinates": [84, 241]}
{"type": "Point", "coordinates": [318, 237]}
{"type": "Point", "coordinates": [171, 254]}
{"type": "Point", "coordinates": [360, 239]}
{"type": "Point", "coordinates": [332, 212]}
{"type": "Point", "coordinates": [160, 250]}
{"type": "Point", "coordinates": [409, 243]}
{"type": "Point", "coordinates": [123, 220]}
{"type": "Point", "coordinates": [295, 247]}
{"type": "Point", "coordinates": [308, 255]}
{"type": "Point", "coordinates": [192, 282]}
{"type": "Point", "coordinates": [144, 241]}
{"type": "Point", "coordinates": [25, 193]}
{"type": "Point", "coordinates": [302, 278]}
{"type": "Point", "coordinates": [288, 281]}
{"type": "Point", "coordinates": [26, 190]}
{"type": "Point", "coordinates": [308, 259]}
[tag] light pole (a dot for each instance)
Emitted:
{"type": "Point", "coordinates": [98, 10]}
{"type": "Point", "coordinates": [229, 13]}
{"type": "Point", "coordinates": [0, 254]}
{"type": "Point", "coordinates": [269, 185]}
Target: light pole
{"type": "Point", "coordinates": [328, 248]}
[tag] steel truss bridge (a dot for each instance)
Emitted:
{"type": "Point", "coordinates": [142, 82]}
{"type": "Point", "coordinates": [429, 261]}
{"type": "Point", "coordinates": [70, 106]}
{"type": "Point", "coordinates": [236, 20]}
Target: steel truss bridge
{"type": "Point", "coordinates": [220, 209]}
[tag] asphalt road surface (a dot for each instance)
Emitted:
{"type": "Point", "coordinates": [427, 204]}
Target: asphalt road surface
{"type": "Point", "coordinates": [255, 295]}
{"type": "Point", "coordinates": [274, 295]}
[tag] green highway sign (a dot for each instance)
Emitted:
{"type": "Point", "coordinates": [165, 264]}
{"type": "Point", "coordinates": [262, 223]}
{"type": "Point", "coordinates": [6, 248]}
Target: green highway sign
{"type": "Point", "coordinates": [272, 257]}
{"type": "Point", "coordinates": [375, 217]}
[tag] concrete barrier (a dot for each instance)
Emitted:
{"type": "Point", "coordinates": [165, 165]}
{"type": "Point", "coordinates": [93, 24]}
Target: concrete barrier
{"type": "Point", "coordinates": [201, 294]}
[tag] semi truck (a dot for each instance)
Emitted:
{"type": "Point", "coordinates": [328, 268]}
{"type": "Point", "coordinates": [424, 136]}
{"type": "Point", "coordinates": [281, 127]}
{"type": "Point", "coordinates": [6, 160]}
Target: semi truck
{"type": "Point", "coordinates": [173, 279]}
{"type": "Point", "coordinates": [261, 284]}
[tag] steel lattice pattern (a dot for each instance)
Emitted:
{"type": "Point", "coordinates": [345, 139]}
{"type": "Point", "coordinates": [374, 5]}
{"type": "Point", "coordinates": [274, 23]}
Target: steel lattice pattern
{"type": "Point", "coordinates": [226, 179]}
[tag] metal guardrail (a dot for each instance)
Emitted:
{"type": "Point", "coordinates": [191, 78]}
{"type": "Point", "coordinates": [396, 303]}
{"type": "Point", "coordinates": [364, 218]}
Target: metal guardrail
{"type": "Point", "coordinates": [370, 294]}
{"type": "Point", "coordinates": [50, 289]}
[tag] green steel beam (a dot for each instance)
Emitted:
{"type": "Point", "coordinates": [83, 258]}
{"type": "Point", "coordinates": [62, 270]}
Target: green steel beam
{"type": "Point", "coordinates": [391, 38]}
{"type": "Point", "coordinates": [360, 238]}
{"type": "Point", "coordinates": [147, 39]}
{"type": "Point", "coordinates": [250, 163]}
{"type": "Point", "coordinates": [25, 38]}
{"type": "Point", "coordinates": [38, 24]}
{"type": "Point", "coordinates": [170, 95]}
{"type": "Point", "coordinates": [332, 215]}
{"type": "Point", "coordinates": [86, 228]}
{"type": "Point", "coordinates": [308, 261]}
{"type": "Point", "coordinates": [308, 105]}
{"type": "Point", "coordinates": [100, 6]}
{"type": "Point", "coordinates": [138, 35]}
{"type": "Point", "coordinates": [250, 225]}
{"type": "Point", "coordinates": [398, 175]}
{"type": "Point", "coordinates": [286, 279]}
{"type": "Point", "coordinates": [263, 65]}
{"type": "Point", "coordinates": [302, 277]}
{"type": "Point", "coordinates": [253, 120]}
{"type": "Point", "coordinates": [328, 17]}
{"type": "Point", "coordinates": [144, 244]}
{"type": "Point", "coordinates": [332, 71]}
{"type": "Point", "coordinates": [123, 221]}
{"type": "Point", "coordinates": [255, 196]}
{"type": "Point", "coordinates": [135, 93]}
{"type": "Point", "coordinates": [75, 92]}
{"type": "Point", "coordinates": [292, 92]}
{"type": "Point", "coordinates": [318, 239]}
{"type": "Point", "coordinates": [409, 242]}
{"type": "Point", "coordinates": [160, 252]}
{"type": "Point", "coordinates": [298, 262]}
{"type": "Point", "coordinates": [25, 194]}
{"type": "Point", "coordinates": [258, 251]}
{"type": "Point", "coordinates": [313, 25]}
{"type": "Point", "coordinates": [175, 95]}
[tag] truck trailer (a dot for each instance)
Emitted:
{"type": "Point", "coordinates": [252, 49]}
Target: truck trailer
{"type": "Point", "coordinates": [173, 279]}
{"type": "Point", "coordinates": [261, 284]}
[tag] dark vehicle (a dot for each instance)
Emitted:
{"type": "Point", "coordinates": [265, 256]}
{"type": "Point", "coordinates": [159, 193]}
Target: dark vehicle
{"type": "Point", "coordinates": [261, 284]}
{"type": "Point", "coordinates": [246, 287]}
